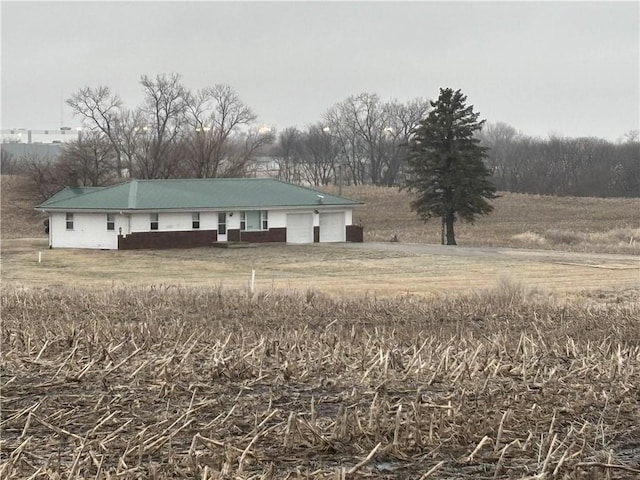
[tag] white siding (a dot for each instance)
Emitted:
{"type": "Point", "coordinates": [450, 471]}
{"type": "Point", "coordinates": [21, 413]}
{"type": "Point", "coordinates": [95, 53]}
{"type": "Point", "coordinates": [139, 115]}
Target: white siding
{"type": "Point", "coordinates": [277, 219]}
{"type": "Point", "coordinates": [140, 222]}
{"type": "Point", "coordinates": [208, 220]}
{"type": "Point", "coordinates": [233, 220]}
{"type": "Point", "coordinates": [348, 217]}
{"type": "Point", "coordinates": [171, 222]}
{"type": "Point", "coordinates": [89, 231]}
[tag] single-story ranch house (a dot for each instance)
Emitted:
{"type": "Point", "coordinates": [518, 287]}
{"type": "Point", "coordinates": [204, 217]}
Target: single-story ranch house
{"type": "Point", "coordinates": [196, 212]}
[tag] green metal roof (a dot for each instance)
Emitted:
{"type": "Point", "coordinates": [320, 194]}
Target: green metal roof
{"type": "Point", "coordinates": [70, 192]}
{"type": "Point", "coordinates": [191, 194]}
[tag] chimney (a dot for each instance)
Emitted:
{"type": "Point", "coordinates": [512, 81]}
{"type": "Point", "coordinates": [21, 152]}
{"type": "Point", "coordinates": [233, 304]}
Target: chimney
{"type": "Point", "coordinates": [73, 178]}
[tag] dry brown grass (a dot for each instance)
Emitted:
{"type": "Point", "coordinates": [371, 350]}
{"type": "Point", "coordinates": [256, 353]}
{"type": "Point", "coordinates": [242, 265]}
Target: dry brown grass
{"type": "Point", "coordinates": [344, 270]}
{"type": "Point", "coordinates": [609, 225]}
{"type": "Point", "coordinates": [169, 382]}
{"type": "Point", "coordinates": [18, 219]}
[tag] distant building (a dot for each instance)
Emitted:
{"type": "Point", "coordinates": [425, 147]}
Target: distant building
{"type": "Point", "coordinates": [23, 150]}
{"type": "Point", "coordinates": [55, 136]}
{"type": "Point", "coordinates": [20, 143]}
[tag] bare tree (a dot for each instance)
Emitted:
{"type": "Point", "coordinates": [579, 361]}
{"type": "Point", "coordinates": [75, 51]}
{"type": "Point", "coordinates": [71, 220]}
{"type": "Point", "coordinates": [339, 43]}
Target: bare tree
{"type": "Point", "coordinates": [287, 153]}
{"type": "Point", "coordinates": [319, 152]}
{"type": "Point", "coordinates": [502, 161]}
{"type": "Point", "coordinates": [371, 135]}
{"type": "Point", "coordinates": [163, 114]}
{"type": "Point", "coordinates": [215, 116]}
{"type": "Point", "coordinates": [400, 120]}
{"type": "Point", "coordinates": [344, 121]}
{"type": "Point", "coordinates": [241, 151]}
{"type": "Point", "coordinates": [92, 157]}
{"type": "Point", "coordinates": [101, 110]}
{"type": "Point", "coordinates": [130, 133]}
{"type": "Point", "coordinates": [8, 163]}
{"type": "Point", "coordinates": [44, 174]}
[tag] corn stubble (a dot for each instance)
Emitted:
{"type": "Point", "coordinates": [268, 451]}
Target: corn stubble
{"type": "Point", "coordinates": [210, 384]}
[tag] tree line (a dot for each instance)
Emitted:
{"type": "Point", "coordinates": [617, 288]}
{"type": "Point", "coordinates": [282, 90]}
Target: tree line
{"type": "Point", "coordinates": [583, 166]}
{"type": "Point", "coordinates": [361, 140]}
{"type": "Point", "coordinates": [177, 132]}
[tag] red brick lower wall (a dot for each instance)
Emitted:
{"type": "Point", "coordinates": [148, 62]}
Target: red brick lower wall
{"type": "Point", "coordinates": [158, 240]}
{"type": "Point", "coordinates": [258, 236]}
{"type": "Point", "coordinates": [355, 233]}
{"type": "Point", "coordinates": [204, 238]}
{"type": "Point", "coordinates": [271, 235]}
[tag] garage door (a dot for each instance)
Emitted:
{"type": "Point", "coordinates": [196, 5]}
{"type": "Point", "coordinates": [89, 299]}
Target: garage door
{"type": "Point", "coordinates": [332, 227]}
{"type": "Point", "coordinates": [299, 228]}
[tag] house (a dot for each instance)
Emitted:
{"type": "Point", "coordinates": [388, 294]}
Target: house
{"type": "Point", "coordinates": [196, 212]}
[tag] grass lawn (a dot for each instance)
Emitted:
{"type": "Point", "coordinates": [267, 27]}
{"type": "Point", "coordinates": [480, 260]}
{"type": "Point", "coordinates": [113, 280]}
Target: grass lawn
{"type": "Point", "coordinates": [343, 269]}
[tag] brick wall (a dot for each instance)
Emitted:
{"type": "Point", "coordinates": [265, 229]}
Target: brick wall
{"type": "Point", "coordinates": [205, 238]}
{"type": "Point", "coordinates": [355, 233]}
{"type": "Point", "coordinates": [271, 235]}
{"type": "Point", "coordinates": [159, 240]}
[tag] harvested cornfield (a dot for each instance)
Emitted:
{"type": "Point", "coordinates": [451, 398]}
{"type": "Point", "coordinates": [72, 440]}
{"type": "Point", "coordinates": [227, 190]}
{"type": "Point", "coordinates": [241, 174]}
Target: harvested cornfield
{"type": "Point", "coordinates": [166, 382]}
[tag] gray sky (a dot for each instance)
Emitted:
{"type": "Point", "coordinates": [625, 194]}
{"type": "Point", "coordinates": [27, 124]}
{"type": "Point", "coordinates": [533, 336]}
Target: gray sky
{"type": "Point", "coordinates": [543, 67]}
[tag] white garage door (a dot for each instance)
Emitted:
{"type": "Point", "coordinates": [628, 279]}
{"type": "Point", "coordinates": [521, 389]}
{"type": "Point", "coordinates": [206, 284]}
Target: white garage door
{"type": "Point", "coordinates": [299, 228]}
{"type": "Point", "coordinates": [332, 227]}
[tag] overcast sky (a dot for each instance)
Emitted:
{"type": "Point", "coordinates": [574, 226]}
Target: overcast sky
{"type": "Point", "coordinates": [567, 68]}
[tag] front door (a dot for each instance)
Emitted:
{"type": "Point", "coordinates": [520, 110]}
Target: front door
{"type": "Point", "coordinates": [222, 226]}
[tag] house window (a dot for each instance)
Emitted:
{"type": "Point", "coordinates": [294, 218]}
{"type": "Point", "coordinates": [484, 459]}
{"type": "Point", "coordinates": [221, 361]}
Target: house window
{"type": "Point", "coordinates": [195, 220]}
{"type": "Point", "coordinates": [222, 223]}
{"type": "Point", "coordinates": [154, 221]}
{"type": "Point", "coordinates": [69, 221]}
{"type": "Point", "coordinates": [111, 221]}
{"type": "Point", "coordinates": [254, 220]}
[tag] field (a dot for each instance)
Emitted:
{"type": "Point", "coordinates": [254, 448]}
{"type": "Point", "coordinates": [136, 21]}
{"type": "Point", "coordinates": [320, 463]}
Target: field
{"type": "Point", "coordinates": [170, 382]}
{"type": "Point", "coordinates": [578, 224]}
{"type": "Point", "coordinates": [405, 360]}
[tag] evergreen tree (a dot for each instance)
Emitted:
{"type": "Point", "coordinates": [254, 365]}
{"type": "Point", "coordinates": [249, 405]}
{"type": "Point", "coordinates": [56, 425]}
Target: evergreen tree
{"type": "Point", "coordinates": [446, 168]}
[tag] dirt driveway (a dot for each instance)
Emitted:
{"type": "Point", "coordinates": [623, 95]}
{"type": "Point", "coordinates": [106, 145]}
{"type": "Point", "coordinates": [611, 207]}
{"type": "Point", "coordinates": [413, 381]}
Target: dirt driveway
{"type": "Point", "coordinates": [603, 260]}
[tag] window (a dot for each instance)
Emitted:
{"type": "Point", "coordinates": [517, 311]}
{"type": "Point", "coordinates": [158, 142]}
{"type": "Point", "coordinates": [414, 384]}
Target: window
{"type": "Point", "coordinates": [222, 223]}
{"type": "Point", "coordinates": [154, 221]}
{"type": "Point", "coordinates": [195, 220]}
{"type": "Point", "coordinates": [111, 221]}
{"type": "Point", "coordinates": [69, 221]}
{"type": "Point", "coordinates": [254, 220]}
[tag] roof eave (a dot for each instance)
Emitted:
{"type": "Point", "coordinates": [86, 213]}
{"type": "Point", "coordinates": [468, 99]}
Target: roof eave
{"type": "Point", "coordinates": [45, 209]}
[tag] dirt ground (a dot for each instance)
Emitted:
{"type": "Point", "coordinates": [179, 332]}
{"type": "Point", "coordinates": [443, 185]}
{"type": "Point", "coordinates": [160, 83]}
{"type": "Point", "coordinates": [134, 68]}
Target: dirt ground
{"type": "Point", "coordinates": [372, 268]}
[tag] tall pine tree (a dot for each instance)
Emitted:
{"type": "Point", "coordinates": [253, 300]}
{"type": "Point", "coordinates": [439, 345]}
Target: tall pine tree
{"type": "Point", "coordinates": [446, 168]}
